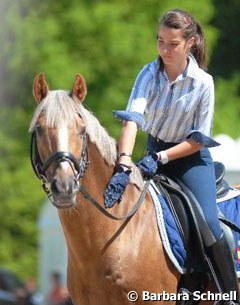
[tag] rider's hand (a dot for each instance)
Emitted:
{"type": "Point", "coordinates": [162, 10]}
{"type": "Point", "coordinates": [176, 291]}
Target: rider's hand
{"type": "Point", "coordinates": [148, 165]}
{"type": "Point", "coordinates": [116, 186]}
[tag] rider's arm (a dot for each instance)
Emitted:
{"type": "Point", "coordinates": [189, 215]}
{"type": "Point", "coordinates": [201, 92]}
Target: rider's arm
{"type": "Point", "coordinates": [127, 141]}
{"type": "Point", "coordinates": [183, 149]}
{"type": "Point", "coordinates": [128, 137]}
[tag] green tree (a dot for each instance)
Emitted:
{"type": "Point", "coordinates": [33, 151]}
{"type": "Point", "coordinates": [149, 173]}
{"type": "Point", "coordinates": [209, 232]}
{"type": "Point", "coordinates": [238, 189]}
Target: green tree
{"type": "Point", "coordinates": [225, 65]}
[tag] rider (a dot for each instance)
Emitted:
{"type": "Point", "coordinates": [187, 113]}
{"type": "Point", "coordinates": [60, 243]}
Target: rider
{"type": "Point", "coordinates": [173, 101]}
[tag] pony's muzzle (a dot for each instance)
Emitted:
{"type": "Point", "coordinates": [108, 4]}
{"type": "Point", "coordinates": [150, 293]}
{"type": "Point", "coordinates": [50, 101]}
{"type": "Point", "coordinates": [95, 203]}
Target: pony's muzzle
{"type": "Point", "coordinates": [64, 186]}
{"type": "Point", "coordinates": [65, 189]}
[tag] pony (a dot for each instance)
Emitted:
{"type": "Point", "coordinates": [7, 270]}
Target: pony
{"type": "Point", "coordinates": [113, 257]}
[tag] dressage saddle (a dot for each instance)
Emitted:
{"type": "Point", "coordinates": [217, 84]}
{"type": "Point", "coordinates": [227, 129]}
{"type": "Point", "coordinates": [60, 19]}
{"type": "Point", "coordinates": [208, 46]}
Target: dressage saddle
{"type": "Point", "coordinates": [222, 186]}
{"type": "Point", "coordinates": [184, 205]}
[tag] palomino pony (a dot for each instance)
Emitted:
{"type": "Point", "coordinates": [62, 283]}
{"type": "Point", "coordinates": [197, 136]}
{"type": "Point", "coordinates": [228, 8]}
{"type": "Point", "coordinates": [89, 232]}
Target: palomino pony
{"type": "Point", "coordinates": [107, 258]}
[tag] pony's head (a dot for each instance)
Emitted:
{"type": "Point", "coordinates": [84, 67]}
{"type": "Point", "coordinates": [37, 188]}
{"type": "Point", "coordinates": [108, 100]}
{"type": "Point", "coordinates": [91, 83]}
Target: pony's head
{"type": "Point", "coordinates": [59, 140]}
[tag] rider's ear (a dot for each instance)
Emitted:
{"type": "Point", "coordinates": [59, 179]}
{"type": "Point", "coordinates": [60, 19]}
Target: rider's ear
{"type": "Point", "coordinates": [40, 87]}
{"type": "Point", "coordinates": [79, 87]}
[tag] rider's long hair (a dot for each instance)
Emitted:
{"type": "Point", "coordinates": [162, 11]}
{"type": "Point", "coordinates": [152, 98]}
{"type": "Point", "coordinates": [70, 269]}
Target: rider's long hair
{"type": "Point", "coordinates": [179, 19]}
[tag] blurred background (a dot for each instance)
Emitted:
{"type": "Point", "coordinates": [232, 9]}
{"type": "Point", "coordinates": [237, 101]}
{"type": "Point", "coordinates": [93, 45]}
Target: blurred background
{"type": "Point", "coordinates": [108, 42]}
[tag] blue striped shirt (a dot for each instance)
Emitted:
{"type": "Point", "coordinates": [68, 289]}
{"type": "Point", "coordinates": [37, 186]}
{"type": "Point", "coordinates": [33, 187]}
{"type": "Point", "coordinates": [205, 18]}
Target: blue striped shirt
{"type": "Point", "coordinates": [173, 111]}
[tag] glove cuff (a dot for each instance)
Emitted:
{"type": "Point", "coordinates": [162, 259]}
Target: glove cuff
{"type": "Point", "coordinates": [154, 156]}
{"type": "Point", "coordinates": [121, 167]}
{"type": "Point", "coordinates": [163, 157]}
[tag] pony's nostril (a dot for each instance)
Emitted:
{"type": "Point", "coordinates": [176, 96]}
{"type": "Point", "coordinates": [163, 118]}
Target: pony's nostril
{"type": "Point", "coordinates": [64, 186]}
{"type": "Point", "coordinates": [72, 186]}
{"type": "Point", "coordinates": [54, 187]}
{"type": "Point", "coordinates": [60, 187]}
{"type": "Point", "coordinates": [69, 188]}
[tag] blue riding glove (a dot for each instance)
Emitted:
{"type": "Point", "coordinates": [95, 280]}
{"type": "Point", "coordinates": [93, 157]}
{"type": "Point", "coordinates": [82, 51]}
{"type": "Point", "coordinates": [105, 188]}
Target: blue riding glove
{"type": "Point", "coordinates": [116, 186]}
{"type": "Point", "coordinates": [148, 165]}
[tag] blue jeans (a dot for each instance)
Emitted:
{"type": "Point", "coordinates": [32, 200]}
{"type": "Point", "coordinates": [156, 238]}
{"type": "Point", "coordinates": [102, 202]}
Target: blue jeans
{"type": "Point", "coordinates": [197, 173]}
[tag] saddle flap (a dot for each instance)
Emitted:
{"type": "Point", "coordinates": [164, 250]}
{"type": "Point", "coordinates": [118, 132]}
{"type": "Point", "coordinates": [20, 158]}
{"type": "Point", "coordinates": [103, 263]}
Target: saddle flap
{"type": "Point", "coordinates": [187, 213]}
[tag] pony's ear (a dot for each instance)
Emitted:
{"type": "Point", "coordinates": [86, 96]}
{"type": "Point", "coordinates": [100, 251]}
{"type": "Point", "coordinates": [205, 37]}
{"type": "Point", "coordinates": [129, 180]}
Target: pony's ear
{"type": "Point", "coordinates": [79, 87]}
{"type": "Point", "coordinates": [40, 87]}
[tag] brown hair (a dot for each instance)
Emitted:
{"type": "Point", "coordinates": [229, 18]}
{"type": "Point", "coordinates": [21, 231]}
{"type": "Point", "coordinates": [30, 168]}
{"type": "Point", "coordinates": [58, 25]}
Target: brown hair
{"type": "Point", "coordinates": [179, 19]}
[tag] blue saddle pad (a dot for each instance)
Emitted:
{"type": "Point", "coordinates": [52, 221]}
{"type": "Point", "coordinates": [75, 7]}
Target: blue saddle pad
{"type": "Point", "coordinates": [173, 233]}
{"type": "Point", "coordinates": [230, 209]}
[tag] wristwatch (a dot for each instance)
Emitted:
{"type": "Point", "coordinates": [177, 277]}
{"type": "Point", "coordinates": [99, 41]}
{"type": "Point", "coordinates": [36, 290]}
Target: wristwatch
{"type": "Point", "coordinates": [163, 158]}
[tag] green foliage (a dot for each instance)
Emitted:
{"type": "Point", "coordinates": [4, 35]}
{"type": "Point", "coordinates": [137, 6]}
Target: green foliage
{"type": "Point", "coordinates": [225, 65]}
{"type": "Point", "coordinates": [226, 59]}
{"type": "Point", "coordinates": [228, 106]}
{"type": "Point", "coordinates": [19, 203]}
{"type": "Point", "coordinates": [106, 41]}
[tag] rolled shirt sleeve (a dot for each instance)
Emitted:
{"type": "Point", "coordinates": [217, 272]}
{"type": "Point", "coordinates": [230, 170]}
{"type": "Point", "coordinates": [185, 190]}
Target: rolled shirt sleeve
{"type": "Point", "coordinates": [138, 99]}
{"type": "Point", "coordinates": [203, 121]}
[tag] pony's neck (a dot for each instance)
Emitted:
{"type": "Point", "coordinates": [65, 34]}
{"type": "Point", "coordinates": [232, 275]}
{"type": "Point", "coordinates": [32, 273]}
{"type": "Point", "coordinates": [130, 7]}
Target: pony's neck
{"type": "Point", "coordinates": [83, 222]}
{"type": "Point", "coordinates": [98, 174]}
{"type": "Point", "coordinates": [89, 233]}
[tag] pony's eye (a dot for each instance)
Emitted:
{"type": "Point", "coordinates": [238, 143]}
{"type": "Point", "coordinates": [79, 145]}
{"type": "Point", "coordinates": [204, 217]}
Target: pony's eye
{"type": "Point", "coordinates": [39, 130]}
{"type": "Point", "coordinates": [81, 131]}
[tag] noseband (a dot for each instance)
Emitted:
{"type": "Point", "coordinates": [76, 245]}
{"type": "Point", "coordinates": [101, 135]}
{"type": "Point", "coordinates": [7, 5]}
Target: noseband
{"type": "Point", "coordinates": [79, 167]}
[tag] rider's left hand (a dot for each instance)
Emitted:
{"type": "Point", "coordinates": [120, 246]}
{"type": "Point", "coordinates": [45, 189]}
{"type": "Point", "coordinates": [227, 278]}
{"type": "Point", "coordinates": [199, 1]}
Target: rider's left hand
{"type": "Point", "coordinates": [148, 165]}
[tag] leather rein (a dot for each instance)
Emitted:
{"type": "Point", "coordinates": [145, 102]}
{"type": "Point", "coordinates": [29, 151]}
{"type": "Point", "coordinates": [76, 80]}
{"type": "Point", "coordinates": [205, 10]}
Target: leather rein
{"type": "Point", "coordinates": [79, 168]}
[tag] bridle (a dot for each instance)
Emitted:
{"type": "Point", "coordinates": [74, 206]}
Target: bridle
{"type": "Point", "coordinates": [79, 167]}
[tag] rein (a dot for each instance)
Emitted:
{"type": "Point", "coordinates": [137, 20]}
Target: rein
{"type": "Point", "coordinates": [80, 166]}
{"type": "Point", "coordinates": [101, 209]}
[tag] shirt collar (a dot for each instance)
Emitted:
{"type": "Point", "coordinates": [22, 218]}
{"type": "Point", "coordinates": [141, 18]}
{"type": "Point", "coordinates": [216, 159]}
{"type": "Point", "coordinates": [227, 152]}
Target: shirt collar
{"type": "Point", "coordinates": [192, 68]}
{"type": "Point", "coordinates": [190, 71]}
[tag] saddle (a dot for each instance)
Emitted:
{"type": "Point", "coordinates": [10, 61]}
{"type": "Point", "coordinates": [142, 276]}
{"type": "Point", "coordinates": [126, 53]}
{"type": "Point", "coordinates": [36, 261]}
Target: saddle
{"type": "Point", "coordinates": [192, 227]}
{"type": "Point", "coordinates": [182, 202]}
{"type": "Point", "coordinates": [222, 186]}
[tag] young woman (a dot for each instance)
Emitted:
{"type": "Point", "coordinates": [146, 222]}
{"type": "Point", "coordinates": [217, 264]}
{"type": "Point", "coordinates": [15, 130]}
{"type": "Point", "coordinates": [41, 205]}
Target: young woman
{"type": "Point", "coordinates": [173, 101]}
